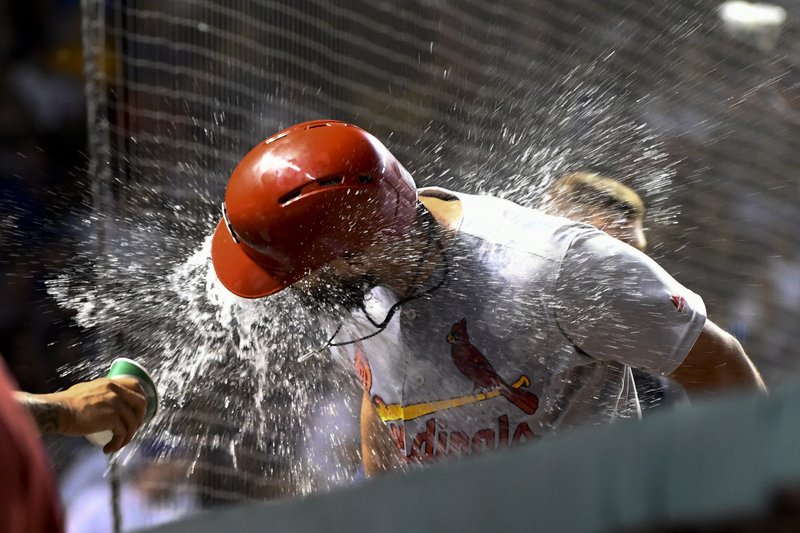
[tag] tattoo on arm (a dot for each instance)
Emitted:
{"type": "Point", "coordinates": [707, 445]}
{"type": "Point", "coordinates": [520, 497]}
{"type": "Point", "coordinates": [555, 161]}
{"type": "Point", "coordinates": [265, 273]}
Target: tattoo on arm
{"type": "Point", "coordinates": [44, 412]}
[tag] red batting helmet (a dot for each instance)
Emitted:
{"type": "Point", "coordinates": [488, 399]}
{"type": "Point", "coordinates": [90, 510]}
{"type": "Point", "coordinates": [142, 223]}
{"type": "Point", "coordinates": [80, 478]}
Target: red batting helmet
{"type": "Point", "coordinates": [310, 194]}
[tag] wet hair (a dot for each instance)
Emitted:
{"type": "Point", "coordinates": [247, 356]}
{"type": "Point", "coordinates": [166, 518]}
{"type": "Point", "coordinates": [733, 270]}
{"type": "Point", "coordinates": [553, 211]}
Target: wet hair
{"type": "Point", "coordinates": [592, 191]}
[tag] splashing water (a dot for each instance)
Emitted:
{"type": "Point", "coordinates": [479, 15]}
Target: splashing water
{"type": "Point", "coordinates": [583, 123]}
{"type": "Point", "coordinates": [234, 399]}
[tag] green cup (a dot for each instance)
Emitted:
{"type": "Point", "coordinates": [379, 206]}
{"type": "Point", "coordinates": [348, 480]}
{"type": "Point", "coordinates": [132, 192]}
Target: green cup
{"type": "Point", "coordinates": [124, 367]}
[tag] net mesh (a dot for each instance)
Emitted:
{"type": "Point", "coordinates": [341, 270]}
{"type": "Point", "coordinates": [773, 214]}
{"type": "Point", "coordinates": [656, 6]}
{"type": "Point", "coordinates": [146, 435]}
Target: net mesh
{"type": "Point", "coordinates": [698, 111]}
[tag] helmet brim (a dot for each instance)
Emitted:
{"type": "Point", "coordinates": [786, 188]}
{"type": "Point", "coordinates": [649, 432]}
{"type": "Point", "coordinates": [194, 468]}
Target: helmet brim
{"type": "Point", "coordinates": [238, 272]}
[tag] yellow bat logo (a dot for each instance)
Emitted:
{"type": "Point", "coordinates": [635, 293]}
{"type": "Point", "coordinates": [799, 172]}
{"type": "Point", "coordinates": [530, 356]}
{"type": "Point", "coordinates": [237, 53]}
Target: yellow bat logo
{"type": "Point", "coordinates": [392, 412]}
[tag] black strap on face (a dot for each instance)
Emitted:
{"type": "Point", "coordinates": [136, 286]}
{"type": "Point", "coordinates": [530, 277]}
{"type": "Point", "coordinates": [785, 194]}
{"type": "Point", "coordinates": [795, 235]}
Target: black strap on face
{"type": "Point", "coordinates": [433, 237]}
{"type": "Point", "coordinates": [385, 322]}
{"type": "Point", "coordinates": [228, 224]}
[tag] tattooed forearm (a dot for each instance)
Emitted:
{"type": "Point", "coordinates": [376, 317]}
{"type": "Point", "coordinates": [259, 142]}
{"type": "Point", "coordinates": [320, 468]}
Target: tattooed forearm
{"type": "Point", "coordinates": [44, 412]}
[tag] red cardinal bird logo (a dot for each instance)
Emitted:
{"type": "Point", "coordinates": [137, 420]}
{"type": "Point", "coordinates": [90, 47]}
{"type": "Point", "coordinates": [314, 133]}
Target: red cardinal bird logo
{"type": "Point", "coordinates": [472, 363]}
{"type": "Point", "coordinates": [679, 302]}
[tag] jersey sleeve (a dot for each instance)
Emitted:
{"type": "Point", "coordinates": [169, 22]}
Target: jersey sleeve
{"type": "Point", "coordinates": [616, 304]}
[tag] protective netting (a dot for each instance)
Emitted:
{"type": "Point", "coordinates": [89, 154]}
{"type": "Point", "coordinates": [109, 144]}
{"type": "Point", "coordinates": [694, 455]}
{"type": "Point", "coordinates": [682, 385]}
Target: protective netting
{"type": "Point", "coordinates": [698, 111]}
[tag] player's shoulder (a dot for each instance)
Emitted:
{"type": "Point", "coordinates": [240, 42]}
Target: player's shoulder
{"type": "Point", "coordinates": [596, 256]}
{"type": "Point", "coordinates": [444, 205]}
{"type": "Point", "coordinates": [501, 222]}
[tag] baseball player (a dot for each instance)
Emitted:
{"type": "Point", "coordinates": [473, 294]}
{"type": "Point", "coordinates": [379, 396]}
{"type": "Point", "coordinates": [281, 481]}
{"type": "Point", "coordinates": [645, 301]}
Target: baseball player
{"type": "Point", "coordinates": [473, 323]}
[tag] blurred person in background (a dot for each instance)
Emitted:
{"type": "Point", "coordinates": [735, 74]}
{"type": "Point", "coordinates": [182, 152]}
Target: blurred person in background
{"type": "Point", "coordinates": [600, 201]}
{"type": "Point", "coordinates": [473, 323]}
{"type": "Point", "coordinates": [618, 210]}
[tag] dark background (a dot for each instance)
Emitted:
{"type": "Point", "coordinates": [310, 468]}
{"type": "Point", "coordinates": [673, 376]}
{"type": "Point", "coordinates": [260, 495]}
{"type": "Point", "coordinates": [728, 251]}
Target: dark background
{"type": "Point", "coordinates": [43, 183]}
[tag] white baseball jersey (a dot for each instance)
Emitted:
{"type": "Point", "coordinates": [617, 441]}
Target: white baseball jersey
{"type": "Point", "coordinates": [529, 333]}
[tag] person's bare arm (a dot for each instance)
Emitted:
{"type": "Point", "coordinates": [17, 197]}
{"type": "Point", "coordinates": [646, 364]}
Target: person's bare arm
{"type": "Point", "coordinates": [378, 452]}
{"type": "Point", "coordinates": [89, 407]}
{"type": "Point", "coordinates": [717, 361]}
